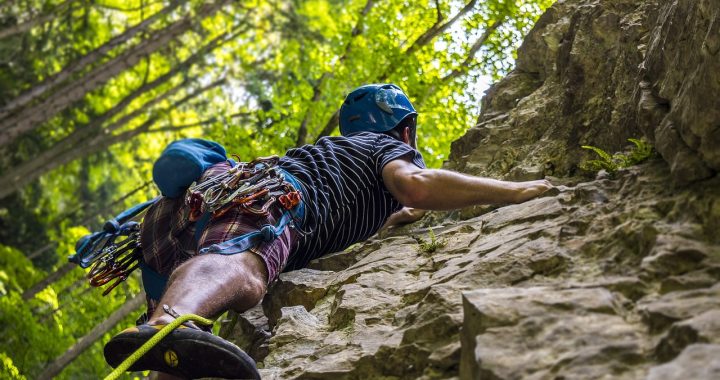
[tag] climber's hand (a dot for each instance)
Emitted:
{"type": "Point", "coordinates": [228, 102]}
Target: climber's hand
{"type": "Point", "coordinates": [404, 216]}
{"type": "Point", "coordinates": [532, 189]}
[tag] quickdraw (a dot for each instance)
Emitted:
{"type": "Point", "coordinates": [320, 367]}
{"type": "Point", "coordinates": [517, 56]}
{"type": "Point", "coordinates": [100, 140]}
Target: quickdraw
{"type": "Point", "coordinates": [113, 255]}
{"type": "Point", "coordinates": [252, 187]}
{"type": "Point", "coordinates": [114, 252]}
{"type": "Point", "coordinates": [118, 261]}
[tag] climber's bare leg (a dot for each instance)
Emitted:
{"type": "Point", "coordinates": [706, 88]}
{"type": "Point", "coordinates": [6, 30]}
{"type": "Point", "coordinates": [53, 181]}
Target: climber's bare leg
{"type": "Point", "coordinates": [210, 284]}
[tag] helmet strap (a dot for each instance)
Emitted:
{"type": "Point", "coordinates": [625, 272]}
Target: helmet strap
{"type": "Point", "coordinates": [406, 135]}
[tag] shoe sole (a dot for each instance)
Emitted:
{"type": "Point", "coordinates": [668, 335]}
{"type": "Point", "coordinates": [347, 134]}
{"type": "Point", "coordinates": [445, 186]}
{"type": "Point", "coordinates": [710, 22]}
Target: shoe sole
{"type": "Point", "coordinates": [184, 352]}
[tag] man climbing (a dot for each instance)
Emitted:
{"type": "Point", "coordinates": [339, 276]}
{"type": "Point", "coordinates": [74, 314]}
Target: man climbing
{"type": "Point", "coordinates": [349, 187]}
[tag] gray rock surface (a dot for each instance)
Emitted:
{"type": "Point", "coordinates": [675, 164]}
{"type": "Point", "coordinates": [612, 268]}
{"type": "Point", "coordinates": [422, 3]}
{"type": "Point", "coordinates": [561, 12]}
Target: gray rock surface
{"type": "Point", "coordinates": [543, 332]}
{"type": "Point", "coordinates": [604, 278]}
{"type": "Point", "coordinates": [600, 72]}
{"type": "Point", "coordinates": [699, 361]}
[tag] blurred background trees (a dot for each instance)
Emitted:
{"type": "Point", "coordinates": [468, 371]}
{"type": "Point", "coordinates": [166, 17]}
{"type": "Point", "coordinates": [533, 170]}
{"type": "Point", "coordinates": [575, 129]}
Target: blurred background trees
{"type": "Point", "coordinates": [92, 90]}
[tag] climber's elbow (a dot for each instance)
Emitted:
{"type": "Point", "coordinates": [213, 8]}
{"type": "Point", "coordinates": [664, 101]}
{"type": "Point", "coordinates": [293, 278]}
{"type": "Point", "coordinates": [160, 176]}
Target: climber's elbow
{"type": "Point", "coordinates": [408, 184]}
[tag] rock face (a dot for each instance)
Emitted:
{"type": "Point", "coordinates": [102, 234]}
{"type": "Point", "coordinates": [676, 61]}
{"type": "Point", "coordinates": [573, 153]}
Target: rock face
{"type": "Point", "coordinates": [600, 278]}
{"type": "Point", "coordinates": [600, 72]}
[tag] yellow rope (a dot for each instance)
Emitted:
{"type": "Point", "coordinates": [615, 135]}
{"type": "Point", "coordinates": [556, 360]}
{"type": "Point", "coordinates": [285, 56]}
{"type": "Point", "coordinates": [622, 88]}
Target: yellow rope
{"type": "Point", "coordinates": [153, 341]}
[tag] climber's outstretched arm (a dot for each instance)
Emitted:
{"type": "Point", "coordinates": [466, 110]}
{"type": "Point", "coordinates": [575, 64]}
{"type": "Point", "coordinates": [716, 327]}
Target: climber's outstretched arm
{"type": "Point", "coordinates": [436, 189]}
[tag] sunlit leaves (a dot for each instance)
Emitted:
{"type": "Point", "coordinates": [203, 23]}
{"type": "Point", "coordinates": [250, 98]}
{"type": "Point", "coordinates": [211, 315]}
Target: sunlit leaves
{"type": "Point", "coordinates": [8, 369]}
{"type": "Point", "coordinates": [17, 272]}
{"type": "Point", "coordinates": [387, 46]}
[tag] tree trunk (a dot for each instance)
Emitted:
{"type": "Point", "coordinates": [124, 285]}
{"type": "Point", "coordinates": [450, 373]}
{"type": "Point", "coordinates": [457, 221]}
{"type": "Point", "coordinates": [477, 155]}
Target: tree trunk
{"type": "Point", "coordinates": [93, 336]}
{"type": "Point", "coordinates": [54, 276]}
{"type": "Point", "coordinates": [317, 92]}
{"type": "Point", "coordinates": [331, 124]}
{"type": "Point", "coordinates": [51, 158]}
{"type": "Point", "coordinates": [40, 250]}
{"type": "Point", "coordinates": [27, 172]}
{"type": "Point", "coordinates": [75, 67]}
{"type": "Point", "coordinates": [102, 142]}
{"type": "Point", "coordinates": [27, 25]}
{"type": "Point", "coordinates": [7, 4]}
{"type": "Point", "coordinates": [67, 267]}
{"type": "Point", "coordinates": [34, 116]}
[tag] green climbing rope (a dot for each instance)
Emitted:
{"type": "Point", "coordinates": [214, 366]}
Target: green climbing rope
{"type": "Point", "coordinates": [153, 341]}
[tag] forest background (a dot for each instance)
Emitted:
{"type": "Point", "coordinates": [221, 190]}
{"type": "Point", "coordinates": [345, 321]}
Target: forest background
{"type": "Point", "coordinates": [91, 91]}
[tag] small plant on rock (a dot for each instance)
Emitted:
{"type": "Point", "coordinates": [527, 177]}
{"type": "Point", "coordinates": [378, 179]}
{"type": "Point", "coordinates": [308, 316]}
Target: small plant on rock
{"type": "Point", "coordinates": [612, 163]}
{"type": "Point", "coordinates": [642, 151]}
{"type": "Point", "coordinates": [430, 246]}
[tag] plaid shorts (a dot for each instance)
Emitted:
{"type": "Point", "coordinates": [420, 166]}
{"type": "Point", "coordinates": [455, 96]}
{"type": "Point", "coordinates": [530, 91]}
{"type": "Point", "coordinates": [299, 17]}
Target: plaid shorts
{"type": "Point", "coordinates": [168, 237]}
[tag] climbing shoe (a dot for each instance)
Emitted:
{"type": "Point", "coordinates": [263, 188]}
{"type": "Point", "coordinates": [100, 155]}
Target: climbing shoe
{"type": "Point", "coordinates": [185, 352]}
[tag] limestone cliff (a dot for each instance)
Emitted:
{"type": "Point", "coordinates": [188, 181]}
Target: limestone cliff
{"type": "Point", "coordinates": [601, 278]}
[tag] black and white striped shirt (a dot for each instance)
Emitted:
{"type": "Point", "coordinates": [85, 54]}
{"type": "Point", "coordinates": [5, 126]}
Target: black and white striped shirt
{"type": "Point", "coordinates": [345, 198]}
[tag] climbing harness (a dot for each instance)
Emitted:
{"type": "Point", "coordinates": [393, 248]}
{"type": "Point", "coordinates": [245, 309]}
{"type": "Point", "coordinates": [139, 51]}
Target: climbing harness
{"type": "Point", "coordinates": [155, 339]}
{"type": "Point", "coordinates": [252, 188]}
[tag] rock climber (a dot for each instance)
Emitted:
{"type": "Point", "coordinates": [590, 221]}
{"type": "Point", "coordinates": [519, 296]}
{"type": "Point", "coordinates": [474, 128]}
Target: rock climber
{"type": "Point", "coordinates": [349, 186]}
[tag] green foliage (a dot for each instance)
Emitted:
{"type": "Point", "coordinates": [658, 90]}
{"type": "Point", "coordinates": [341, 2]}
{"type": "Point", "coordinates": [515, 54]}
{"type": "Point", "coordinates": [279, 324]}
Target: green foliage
{"type": "Point", "coordinates": [39, 330]}
{"type": "Point", "coordinates": [8, 370]}
{"type": "Point", "coordinates": [26, 339]}
{"type": "Point", "coordinates": [431, 246]}
{"type": "Point", "coordinates": [16, 271]}
{"type": "Point", "coordinates": [641, 151]}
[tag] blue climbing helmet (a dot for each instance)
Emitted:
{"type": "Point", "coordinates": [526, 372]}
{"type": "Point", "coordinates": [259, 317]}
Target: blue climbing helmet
{"type": "Point", "coordinates": [375, 108]}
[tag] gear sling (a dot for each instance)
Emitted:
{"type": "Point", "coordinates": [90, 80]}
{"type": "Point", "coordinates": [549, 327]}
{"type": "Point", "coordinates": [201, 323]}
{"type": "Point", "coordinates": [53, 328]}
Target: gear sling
{"type": "Point", "coordinates": [253, 188]}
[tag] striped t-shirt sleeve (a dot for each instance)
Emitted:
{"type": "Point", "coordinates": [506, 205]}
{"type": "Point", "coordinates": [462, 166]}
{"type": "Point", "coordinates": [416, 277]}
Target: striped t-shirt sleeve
{"type": "Point", "coordinates": [388, 149]}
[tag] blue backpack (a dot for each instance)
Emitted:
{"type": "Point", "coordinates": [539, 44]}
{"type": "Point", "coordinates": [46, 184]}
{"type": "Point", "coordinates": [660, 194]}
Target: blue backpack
{"type": "Point", "coordinates": [183, 162]}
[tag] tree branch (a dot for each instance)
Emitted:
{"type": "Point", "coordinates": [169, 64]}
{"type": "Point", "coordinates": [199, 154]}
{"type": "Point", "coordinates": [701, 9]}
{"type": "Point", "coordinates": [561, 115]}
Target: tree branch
{"type": "Point", "coordinates": [104, 141]}
{"type": "Point", "coordinates": [27, 25]}
{"type": "Point", "coordinates": [77, 66]}
{"type": "Point", "coordinates": [175, 128]}
{"type": "Point", "coordinates": [317, 91]}
{"type": "Point", "coordinates": [464, 67]}
{"type": "Point", "coordinates": [54, 276]}
{"type": "Point", "coordinates": [436, 29]}
{"type": "Point", "coordinates": [331, 124]}
{"type": "Point", "coordinates": [29, 171]}
{"type": "Point", "coordinates": [32, 117]}
{"type": "Point", "coordinates": [439, 11]}
{"type": "Point", "coordinates": [93, 336]}
{"type": "Point", "coordinates": [57, 155]}
{"type": "Point", "coordinates": [102, 211]}
{"type": "Point", "coordinates": [121, 9]}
